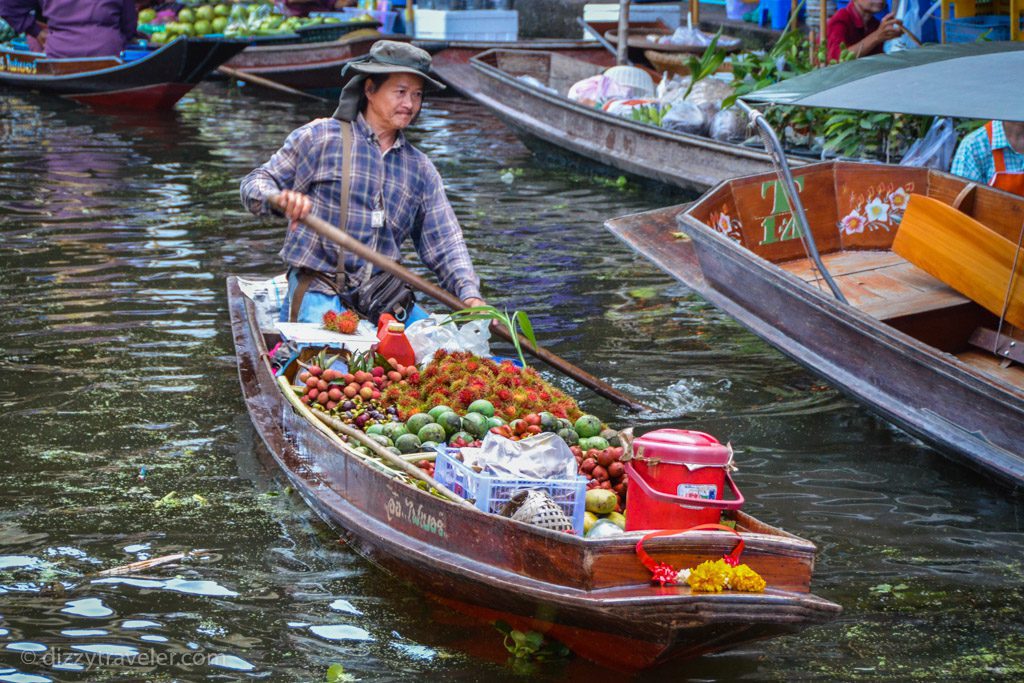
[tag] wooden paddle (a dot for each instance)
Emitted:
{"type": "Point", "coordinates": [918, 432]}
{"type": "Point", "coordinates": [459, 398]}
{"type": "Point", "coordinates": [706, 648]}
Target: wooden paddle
{"type": "Point", "coordinates": [328, 231]}
{"type": "Point", "coordinates": [971, 258]}
{"type": "Point", "coordinates": [267, 83]}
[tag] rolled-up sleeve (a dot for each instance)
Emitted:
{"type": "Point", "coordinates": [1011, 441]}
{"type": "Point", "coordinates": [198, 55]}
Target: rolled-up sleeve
{"type": "Point", "coordinates": [439, 242]}
{"type": "Point", "coordinates": [284, 171]}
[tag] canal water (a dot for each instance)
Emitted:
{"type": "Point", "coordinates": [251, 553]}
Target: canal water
{"type": "Point", "coordinates": [124, 436]}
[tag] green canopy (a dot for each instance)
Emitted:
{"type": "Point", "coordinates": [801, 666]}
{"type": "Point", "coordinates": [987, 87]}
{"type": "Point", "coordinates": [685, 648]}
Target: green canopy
{"type": "Point", "coordinates": [968, 80]}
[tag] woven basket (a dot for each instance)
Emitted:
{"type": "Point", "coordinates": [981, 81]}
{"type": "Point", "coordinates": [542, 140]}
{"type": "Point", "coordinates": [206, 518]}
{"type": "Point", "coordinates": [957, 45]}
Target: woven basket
{"type": "Point", "coordinates": [535, 507]}
{"type": "Point", "coordinates": [666, 61]}
{"type": "Point", "coordinates": [676, 63]}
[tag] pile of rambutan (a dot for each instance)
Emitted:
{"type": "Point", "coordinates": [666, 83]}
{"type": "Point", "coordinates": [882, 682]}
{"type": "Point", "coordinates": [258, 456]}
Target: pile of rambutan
{"type": "Point", "coordinates": [456, 379]}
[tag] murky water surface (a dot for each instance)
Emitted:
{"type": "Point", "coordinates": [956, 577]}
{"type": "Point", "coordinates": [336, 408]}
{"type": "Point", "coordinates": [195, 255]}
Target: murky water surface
{"type": "Point", "coordinates": [124, 435]}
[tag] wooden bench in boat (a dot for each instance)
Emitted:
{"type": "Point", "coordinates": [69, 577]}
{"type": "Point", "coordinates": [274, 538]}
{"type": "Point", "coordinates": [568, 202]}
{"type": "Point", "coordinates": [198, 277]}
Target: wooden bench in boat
{"type": "Point", "coordinates": [880, 283]}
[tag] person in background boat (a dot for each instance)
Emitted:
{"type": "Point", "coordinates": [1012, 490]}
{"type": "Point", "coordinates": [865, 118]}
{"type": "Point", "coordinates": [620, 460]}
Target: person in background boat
{"type": "Point", "coordinates": [993, 155]}
{"type": "Point", "coordinates": [396, 192]}
{"type": "Point", "coordinates": [855, 28]}
{"type": "Point", "coordinates": [73, 28]}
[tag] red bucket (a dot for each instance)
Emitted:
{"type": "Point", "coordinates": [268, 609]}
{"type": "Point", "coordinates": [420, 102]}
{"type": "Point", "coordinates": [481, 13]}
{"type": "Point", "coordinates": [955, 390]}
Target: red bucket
{"type": "Point", "coordinates": [677, 479]}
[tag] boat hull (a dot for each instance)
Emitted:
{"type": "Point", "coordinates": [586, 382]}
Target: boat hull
{"type": "Point", "coordinates": [690, 162]}
{"type": "Point", "coordinates": [971, 416]}
{"type": "Point", "coordinates": [154, 82]}
{"type": "Point", "coordinates": [306, 66]}
{"type": "Point", "coordinates": [493, 568]}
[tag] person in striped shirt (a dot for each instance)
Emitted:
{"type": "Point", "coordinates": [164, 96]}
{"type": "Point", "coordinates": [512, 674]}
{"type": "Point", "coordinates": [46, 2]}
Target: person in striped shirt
{"type": "Point", "coordinates": [993, 155]}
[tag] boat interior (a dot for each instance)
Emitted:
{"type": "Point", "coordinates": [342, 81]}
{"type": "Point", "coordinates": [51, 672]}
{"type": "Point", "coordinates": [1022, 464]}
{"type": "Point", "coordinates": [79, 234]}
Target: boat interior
{"type": "Point", "coordinates": [890, 256]}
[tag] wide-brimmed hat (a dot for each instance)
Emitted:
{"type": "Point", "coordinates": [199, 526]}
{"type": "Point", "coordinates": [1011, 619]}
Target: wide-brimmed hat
{"type": "Point", "coordinates": [385, 57]}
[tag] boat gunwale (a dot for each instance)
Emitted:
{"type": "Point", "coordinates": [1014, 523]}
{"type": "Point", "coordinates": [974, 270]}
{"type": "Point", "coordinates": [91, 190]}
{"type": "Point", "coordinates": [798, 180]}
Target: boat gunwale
{"type": "Point", "coordinates": [687, 139]}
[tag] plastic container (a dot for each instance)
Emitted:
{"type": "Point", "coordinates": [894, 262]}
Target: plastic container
{"type": "Point", "coordinates": [483, 24]}
{"type": "Point", "coordinates": [490, 494]}
{"type": "Point", "coordinates": [970, 29]}
{"type": "Point", "coordinates": [393, 343]}
{"type": "Point", "coordinates": [636, 79]}
{"type": "Point", "coordinates": [677, 479]}
{"type": "Point", "coordinates": [735, 9]}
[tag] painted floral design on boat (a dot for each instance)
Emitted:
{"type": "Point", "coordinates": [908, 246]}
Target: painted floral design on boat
{"type": "Point", "coordinates": [881, 208]}
{"type": "Point", "coordinates": [730, 227]}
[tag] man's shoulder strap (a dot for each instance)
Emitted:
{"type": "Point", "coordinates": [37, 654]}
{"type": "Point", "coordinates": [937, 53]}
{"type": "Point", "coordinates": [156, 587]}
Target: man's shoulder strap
{"type": "Point", "coordinates": [346, 182]}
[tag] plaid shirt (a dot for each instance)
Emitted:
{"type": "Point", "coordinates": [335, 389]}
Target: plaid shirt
{"type": "Point", "coordinates": [973, 158]}
{"type": "Point", "coordinates": [404, 179]}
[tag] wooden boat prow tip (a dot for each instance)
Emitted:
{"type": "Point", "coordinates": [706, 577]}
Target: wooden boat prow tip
{"type": "Point", "coordinates": [592, 595]}
{"type": "Point", "coordinates": [547, 120]}
{"type": "Point", "coordinates": [908, 344]}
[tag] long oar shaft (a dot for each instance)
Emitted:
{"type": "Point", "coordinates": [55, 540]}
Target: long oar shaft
{"type": "Point", "coordinates": [328, 231]}
{"type": "Point", "coordinates": [266, 83]}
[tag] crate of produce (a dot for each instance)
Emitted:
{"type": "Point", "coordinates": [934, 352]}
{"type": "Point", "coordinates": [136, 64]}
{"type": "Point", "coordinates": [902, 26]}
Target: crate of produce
{"type": "Point", "coordinates": [323, 33]}
{"type": "Point", "coordinates": [490, 493]}
{"type": "Point", "coordinates": [970, 29]}
{"type": "Point", "coordinates": [485, 24]}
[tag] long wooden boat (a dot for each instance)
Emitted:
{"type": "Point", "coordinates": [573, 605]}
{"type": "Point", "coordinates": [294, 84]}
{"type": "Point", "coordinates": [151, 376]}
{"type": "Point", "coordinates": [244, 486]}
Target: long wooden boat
{"type": "Point", "coordinates": [907, 344]}
{"type": "Point", "coordinates": [592, 595]}
{"type": "Point", "coordinates": [155, 81]}
{"type": "Point", "coordinates": [547, 120]}
{"type": "Point", "coordinates": [308, 66]}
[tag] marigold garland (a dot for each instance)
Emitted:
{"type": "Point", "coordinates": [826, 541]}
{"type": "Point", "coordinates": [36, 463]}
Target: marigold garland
{"type": "Point", "coordinates": [710, 577]}
{"type": "Point", "coordinates": [745, 579]}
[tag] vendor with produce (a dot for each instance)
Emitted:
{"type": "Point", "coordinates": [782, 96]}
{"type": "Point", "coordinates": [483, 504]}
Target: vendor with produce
{"type": "Point", "coordinates": [993, 155]}
{"type": "Point", "coordinates": [855, 28]}
{"type": "Point", "coordinates": [396, 193]}
{"type": "Point", "coordinates": [73, 28]}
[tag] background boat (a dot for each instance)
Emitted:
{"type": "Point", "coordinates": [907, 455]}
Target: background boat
{"type": "Point", "coordinates": [594, 596]}
{"type": "Point", "coordinates": [546, 120]}
{"type": "Point", "coordinates": [311, 67]}
{"type": "Point", "coordinates": [906, 344]}
{"type": "Point", "coordinates": [154, 80]}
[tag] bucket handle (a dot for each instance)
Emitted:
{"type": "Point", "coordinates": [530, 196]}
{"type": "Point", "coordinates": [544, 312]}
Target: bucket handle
{"type": "Point", "coordinates": [635, 477]}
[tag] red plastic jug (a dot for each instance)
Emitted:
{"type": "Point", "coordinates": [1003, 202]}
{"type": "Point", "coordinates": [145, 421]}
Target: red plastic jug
{"type": "Point", "coordinates": [393, 343]}
{"type": "Point", "coordinates": [677, 480]}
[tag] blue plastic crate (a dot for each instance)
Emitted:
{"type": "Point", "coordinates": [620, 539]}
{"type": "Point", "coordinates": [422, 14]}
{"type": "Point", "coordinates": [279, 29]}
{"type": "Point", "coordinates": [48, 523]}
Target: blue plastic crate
{"type": "Point", "coordinates": [490, 493]}
{"type": "Point", "coordinates": [970, 29]}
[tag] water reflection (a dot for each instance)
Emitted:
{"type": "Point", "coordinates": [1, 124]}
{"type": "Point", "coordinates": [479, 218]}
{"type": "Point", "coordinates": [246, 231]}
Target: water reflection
{"type": "Point", "coordinates": [117, 233]}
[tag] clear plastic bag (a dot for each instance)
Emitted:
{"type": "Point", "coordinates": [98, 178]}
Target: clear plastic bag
{"type": "Point", "coordinates": [429, 335]}
{"type": "Point", "coordinates": [935, 149]}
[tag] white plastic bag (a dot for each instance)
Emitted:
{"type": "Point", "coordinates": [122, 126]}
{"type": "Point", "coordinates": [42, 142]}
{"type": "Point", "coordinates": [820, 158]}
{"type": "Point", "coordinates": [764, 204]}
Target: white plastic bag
{"type": "Point", "coordinates": [429, 335]}
{"type": "Point", "coordinates": [597, 90]}
{"type": "Point", "coordinates": [686, 117]}
{"type": "Point", "coordinates": [544, 456]}
{"type": "Point", "coordinates": [935, 149]}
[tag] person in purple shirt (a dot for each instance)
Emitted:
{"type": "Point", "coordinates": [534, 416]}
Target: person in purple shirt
{"type": "Point", "coordinates": [73, 28]}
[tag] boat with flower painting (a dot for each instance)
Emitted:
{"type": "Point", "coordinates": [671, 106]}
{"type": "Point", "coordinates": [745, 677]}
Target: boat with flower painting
{"type": "Point", "coordinates": [923, 260]}
{"type": "Point", "coordinates": [596, 596]}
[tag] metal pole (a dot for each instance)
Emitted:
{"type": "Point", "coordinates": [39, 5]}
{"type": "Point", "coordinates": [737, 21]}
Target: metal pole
{"type": "Point", "coordinates": [623, 32]}
{"type": "Point", "coordinates": [774, 149]}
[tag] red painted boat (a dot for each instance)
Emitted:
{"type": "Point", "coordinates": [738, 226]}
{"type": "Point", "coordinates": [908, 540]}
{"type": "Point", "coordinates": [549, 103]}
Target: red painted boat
{"type": "Point", "coordinates": [155, 81]}
{"type": "Point", "coordinates": [593, 595]}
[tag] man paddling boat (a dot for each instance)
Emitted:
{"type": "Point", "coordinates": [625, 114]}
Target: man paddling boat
{"type": "Point", "coordinates": [392, 192]}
